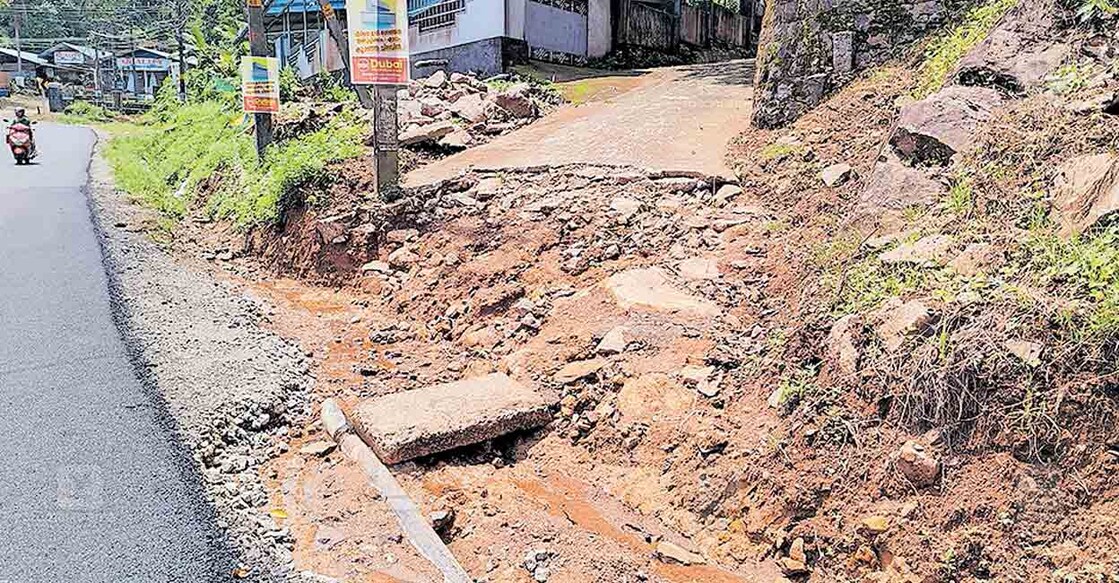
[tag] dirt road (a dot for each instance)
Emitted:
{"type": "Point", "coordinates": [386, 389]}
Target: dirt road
{"type": "Point", "coordinates": [676, 119]}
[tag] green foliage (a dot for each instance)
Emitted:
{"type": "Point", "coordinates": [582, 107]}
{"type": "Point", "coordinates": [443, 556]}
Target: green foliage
{"type": "Point", "coordinates": [165, 161]}
{"type": "Point", "coordinates": [1070, 79]}
{"type": "Point", "coordinates": [1084, 268]}
{"type": "Point", "coordinates": [1096, 11]}
{"type": "Point", "coordinates": [775, 151]}
{"type": "Point", "coordinates": [85, 112]}
{"type": "Point", "coordinates": [868, 283]}
{"type": "Point", "coordinates": [944, 53]}
{"type": "Point", "coordinates": [289, 84]}
{"type": "Point", "coordinates": [796, 387]}
{"type": "Point", "coordinates": [961, 197]}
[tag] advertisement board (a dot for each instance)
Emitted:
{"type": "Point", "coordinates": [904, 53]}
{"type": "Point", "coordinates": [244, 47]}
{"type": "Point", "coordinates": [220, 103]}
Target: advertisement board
{"type": "Point", "coordinates": [68, 58]}
{"type": "Point", "coordinates": [378, 31]}
{"type": "Point", "coordinates": [260, 84]}
{"type": "Point", "coordinates": [143, 64]}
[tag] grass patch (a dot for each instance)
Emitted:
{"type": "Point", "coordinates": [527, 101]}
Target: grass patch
{"type": "Point", "coordinates": [867, 284]}
{"type": "Point", "coordinates": [165, 161]}
{"type": "Point", "coordinates": [1084, 268]}
{"type": "Point", "coordinates": [83, 112]}
{"type": "Point", "coordinates": [775, 151]}
{"type": "Point", "coordinates": [944, 53]}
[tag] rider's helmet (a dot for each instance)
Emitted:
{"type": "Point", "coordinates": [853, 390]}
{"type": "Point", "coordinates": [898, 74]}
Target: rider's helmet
{"type": "Point", "coordinates": [20, 112]}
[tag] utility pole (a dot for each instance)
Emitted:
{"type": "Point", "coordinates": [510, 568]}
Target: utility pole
{"type": "Point", "coordinates": [16, 13]}
{"type": "Point", "coordinates": [179, 26]}
{"type": "Point", "coordinates": [386, 142]}
{"type": "Point", "coordinates": [258, 47]}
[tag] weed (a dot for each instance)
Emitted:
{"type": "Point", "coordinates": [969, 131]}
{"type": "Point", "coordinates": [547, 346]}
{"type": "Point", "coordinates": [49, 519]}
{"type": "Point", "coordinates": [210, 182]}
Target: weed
{"type": "Point", "coordinates": [944, 53]}
{"type": "Point", "coordinates": [796, 387]}
{"type": "Point", "coordinates": [1071, 79]}
{"type": "Point", "coordinates": [80, 112]}
{"type": "Point", "coordinates": [868, 283]}
{"type": "Point", "coordinates": [776, 151]}
{"type": "Point", "coordinates": [1094, 12]}
{"type": "Point", "coordinates": [1084, 268]}
{"type": "Point", "coordinates": [961, 197]}
{"type": "Point", "coordinates": [164, 161]}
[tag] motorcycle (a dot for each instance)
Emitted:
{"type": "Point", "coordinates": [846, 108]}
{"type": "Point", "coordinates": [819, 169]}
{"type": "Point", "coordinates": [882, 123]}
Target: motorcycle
{"type": "Point", "coordinates": [21, 142]}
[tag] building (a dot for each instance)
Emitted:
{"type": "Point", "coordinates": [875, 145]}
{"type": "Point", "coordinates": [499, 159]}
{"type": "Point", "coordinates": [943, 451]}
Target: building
{"type": "Point", "coordinates": [141, 71]}
{"type": "Point", "coordinates": [11, 61]}
{"type": "Point", "coordinates": [488, 35]}
{"type": "Point", "coordinates": [77, 64]}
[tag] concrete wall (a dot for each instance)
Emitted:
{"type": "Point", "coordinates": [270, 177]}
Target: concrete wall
{"type": "Point", "coordinates": [809, 48]}
{"type": "Point", "coordinates": [555, 29]}
{"type": "Point", "coordinates": [487, 57]}
{"type": "Point", "coordinates": [600, 37]}
{"type": "Point", "coordinates": [482, 19]}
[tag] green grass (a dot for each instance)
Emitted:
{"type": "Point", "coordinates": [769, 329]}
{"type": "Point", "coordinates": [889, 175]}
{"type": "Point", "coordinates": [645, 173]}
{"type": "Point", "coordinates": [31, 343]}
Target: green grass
{"type": "Point", "coordinates": [775, 151]}
{"type": "Point", "coordinates": [1084, 268]}
{"type": "Point", "coordinates": [165, 160]}
{"type": "Point", "coordinates": [869, 283]}
{"type": "Point", "coordinates": [944, 53]}
{"type": "Point", "coordinates": [961, 197]}
{"type": "Point", "coordinates": [83, 112]}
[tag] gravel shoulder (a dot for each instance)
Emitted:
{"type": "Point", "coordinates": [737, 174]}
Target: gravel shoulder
{"type": "Point", "coordinates": [233, 388]}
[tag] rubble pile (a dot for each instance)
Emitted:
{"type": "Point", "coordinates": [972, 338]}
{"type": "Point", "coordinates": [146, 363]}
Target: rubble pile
{"type": "Point", "coordinates": [459, 111]}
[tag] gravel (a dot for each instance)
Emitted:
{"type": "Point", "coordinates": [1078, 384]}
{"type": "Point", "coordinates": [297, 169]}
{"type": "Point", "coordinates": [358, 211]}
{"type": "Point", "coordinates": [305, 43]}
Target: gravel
{"type": "Point", "coordinates": [234, 389]}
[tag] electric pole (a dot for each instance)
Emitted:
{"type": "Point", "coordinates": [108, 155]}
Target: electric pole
{"type": "Point", "coordinates": [258, 47]}
{"type": "Point", "coordinates": [16, 10]}
{"type": "Point", "coordinates": [180, 25]}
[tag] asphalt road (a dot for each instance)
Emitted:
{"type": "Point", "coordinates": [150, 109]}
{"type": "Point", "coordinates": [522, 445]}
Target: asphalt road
{"type": "Point", "coordinates": [93, 484]}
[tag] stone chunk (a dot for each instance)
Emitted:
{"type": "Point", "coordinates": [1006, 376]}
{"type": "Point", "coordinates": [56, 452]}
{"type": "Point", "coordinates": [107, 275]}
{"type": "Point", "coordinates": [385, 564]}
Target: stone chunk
{"type": "Point", "coordinates": [674, 553]}
{"type": "Point", "coordinates": [1085, 192]}
{"type": "Point", "coordinates": [614, 342]}
{"type": "Point", "coordinates": [1011, 61]}
{"type": "Point", "coordinates": [436, 81]}
{"type": "Point", "coordinates": [894, 186]}
{"type": "Point", "coordinates": [650, 288]}
{"type": "Point", "coordinates": [412, 424]}
{"type": "Point", "coordinates": [917, 466]}
{"type": "Point", "coordinates": [574, 371]}
{"type": "Point", "coordinates": [837, 174]}
{"type": "Point", "coordinates": [927, 251]}
{"type": "Point", "coordinates": [516, 100]}
{"type": "Point", "coordinates": [936, 128]}
{"type": "Point", "coordinates": [425, 133]}
{"type": "Point", "coordinates": [699, 269]}
{"type": "Point", "coordinates": [1027, 352]}
{"type": "Point", "coordinates": [898, 321]}
{"type": "Point", "coordinates": [977, 258]}
{"type": "Point", "coordinates": [843, 343]}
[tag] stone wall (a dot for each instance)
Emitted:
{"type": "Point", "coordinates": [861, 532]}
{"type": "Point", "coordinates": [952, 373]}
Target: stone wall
{"type": "Point", "coordinates": [809, 48]}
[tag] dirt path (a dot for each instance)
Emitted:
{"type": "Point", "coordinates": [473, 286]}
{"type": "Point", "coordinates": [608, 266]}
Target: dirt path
{"type": "Point", "coordinates": [677, 119]}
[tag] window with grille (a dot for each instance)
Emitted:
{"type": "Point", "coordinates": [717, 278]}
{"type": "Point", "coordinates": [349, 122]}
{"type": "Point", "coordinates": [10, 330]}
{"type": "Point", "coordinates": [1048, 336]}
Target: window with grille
{"type": "Point", "coordinates": [432, 14]}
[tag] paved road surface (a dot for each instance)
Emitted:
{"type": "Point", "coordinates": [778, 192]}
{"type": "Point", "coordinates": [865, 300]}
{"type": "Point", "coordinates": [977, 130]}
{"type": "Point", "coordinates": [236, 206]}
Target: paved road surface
{"type": "Point", "coordinates": [93, 486]}
{"type": "Point", "coordinates": [676, 119]}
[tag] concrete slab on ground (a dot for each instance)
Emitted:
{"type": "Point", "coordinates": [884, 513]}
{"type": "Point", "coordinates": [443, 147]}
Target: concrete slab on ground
{"type": "Point", "coordinates": [677, 119]}
{"type": "Point", "coordinates": [412, 424]}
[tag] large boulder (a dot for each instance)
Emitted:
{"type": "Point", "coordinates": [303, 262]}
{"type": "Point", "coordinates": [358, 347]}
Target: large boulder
{"type": "Point", "coordinates": [1019, 52]}
{"type": "Point", "coordinates": [894, 186]}
{"type": "Point", "coordinates": [1086, 191]}
{"type": "Point", "coordinates": [938, 127]}
{"type": "Point", "coordinates": [420, 134]}
{"type": "Point", "coordinates": [471, 107]}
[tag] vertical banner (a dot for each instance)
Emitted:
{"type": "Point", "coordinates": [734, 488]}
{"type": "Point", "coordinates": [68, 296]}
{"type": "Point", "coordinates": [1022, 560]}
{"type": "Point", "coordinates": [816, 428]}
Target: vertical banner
{"type": "Point", "coordinates": [260, 84]}
{"type": "Point", "coordinates": [378, 31]}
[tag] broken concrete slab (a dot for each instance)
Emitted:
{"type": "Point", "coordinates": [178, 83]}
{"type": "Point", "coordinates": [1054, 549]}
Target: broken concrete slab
{"type": "Point", "coordinates": [431, 132]}
{"type": "Point", "coordinates": [404, 426]}
{"type": "Point", "coordinates": [931, 131]}
{"type": "Point", "coordinates": [651, 288]}
{"type": "Point", "coordinates": [1085, 191]}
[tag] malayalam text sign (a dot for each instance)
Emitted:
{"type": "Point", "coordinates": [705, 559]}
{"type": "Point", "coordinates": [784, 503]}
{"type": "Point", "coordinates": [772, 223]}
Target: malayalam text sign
{"type": "Point", "coordinates": [260, 84]}
{"type": "Point", "coordinates": [378, 41]}
{"type": "Point", "coordinates": [68, 58]}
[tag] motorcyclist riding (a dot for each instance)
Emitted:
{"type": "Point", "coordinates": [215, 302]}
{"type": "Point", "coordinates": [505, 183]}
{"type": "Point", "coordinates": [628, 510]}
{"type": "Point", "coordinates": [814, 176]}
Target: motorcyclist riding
{"type": "Point", "coordinates": [20, 137]}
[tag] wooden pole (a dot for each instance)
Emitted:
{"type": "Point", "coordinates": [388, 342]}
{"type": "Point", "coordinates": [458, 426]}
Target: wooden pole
{"type": "Point", "coordinates": [258, 47]}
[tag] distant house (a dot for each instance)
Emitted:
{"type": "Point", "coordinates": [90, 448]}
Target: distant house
{"type": "Point", "coordinates": [10, 62]}
{"type": "Point", "coordinates": [458, 35]}
{"type": "Point", "coordinates": [142, 71]}
{"type": "Point", "coordinates": [78, 64]}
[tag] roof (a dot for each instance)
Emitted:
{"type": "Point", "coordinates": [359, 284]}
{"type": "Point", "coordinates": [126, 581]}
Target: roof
{"type": "Point", "coordinates": [32, 58]}
{"type": "Point", "coordinates": [158, 53]}
{"type": "Point", "coordinates": [279, 7]}
{"type": "Point", "coordinates": [89, 52]}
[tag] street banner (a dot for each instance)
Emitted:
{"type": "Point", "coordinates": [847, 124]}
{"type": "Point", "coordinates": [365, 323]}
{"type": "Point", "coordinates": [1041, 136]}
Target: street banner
{"type": "Point", "coordinates": [260, 84]}
{"type": "Point", "coordinates": [378, 31]}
